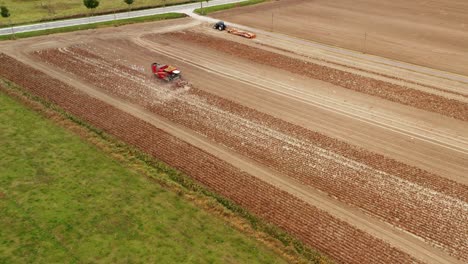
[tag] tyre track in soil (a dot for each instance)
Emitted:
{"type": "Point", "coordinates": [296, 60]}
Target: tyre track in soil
{"type": "Point", "coordinates": [386, 73]}
{"type": "Point", "coordinates": [248, 76]}
{"type": "Point", "coordinates": [431, 135]}
{"type": "Point", "coordinates": [288, 39]}
{"type": "Point", "coordinates": [370, 86]}
{"type": "Point", "coordinates": [356, 63]}
{"type": "Point", "coordinates": [397, 238]}
{"type": "Point", "coordinates": [243, 94]}
{"type": "Point", "coordinates": [99, 65]}
{"type": "Point", "coordinates": [419, 78]}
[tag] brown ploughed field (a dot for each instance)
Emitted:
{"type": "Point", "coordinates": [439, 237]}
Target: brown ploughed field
{"type": "Point", "coordinates": [362, 160]}
{"type": "Point", "coordinates": [428, 33]}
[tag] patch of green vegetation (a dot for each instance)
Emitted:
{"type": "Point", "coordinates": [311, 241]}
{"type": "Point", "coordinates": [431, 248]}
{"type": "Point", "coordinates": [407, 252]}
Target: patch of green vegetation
{"type": "Point", "coordinates": [114, 23]}
{"type": "Point", "coordinates": [30, 11]}
{"type": "Point", "coordinates": [207, 10]}
{"type": "Point", "coordinates": [177, 181]}
{"type": "Point", "coordinates": [63, 200]}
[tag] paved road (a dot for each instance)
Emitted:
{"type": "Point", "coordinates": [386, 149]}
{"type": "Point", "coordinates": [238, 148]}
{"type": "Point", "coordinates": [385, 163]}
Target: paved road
{"type": "Point", "coordinates": [187, 8]}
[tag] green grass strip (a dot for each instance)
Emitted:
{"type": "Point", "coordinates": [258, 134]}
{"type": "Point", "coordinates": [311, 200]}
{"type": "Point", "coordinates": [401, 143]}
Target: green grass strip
{"type": "Point", "coordinates": [114, 23]}
{"type": "Point", "coordinates": [207, 10]}
{"type": "Point", "coordinates": [165, 175]}
{"type": "Point", "coordinates": [63, 200]}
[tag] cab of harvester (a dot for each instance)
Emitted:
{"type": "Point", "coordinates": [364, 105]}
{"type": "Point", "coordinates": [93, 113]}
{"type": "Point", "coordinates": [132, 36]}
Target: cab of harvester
{"type": "Point", "coordinates": [165, 72]}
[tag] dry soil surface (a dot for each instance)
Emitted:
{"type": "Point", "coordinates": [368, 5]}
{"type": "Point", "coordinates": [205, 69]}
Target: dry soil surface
{"type": "Point", "coordinates": [428, 33]}
{"type": "Point", "coordinates": [356, 174]}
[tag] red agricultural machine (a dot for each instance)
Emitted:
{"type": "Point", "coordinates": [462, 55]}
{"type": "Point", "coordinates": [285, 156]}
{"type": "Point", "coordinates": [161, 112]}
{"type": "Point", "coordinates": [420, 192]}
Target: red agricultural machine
{"type": "Point", "coordinates": [165, 72]}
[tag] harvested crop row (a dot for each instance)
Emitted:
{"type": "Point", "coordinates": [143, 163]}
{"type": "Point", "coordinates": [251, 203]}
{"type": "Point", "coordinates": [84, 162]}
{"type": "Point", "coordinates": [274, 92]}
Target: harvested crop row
{"type": "Point", "coordinates": [316, 228]}
{"type": "Point", "coordinates": [377, 161]}
{"type": "Point", "coordinates": [436, 216]}
{"type": "Point", "coordinates": [388, 91]}
{"type": "Point", "coordinates": [373, 72]}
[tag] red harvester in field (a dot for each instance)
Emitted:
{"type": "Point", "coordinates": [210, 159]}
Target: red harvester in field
{"type": "Point", "coordinates": [165, 72]}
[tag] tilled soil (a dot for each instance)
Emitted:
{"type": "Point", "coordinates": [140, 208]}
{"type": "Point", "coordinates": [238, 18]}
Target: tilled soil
{"type": "Point", "coordinates": [428, 33]}
{"type": "Point", "coordinates": [307, 104]}
{"type": "Point", "coordinates": [373, 72]}
{"type": "Point", "coordinates": [316, 228]}
{"type": "Point", "coordinates": [388, 91]}
{"type": "Point", "coordinates": [424, 204]}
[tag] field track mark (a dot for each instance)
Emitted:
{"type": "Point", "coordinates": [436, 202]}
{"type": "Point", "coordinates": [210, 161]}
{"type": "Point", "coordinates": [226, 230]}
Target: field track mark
{"type": "Point", "coordinates": [434, 137]}
{"type": "Point", "coordinates": [109, 68]}
{"type": "Point", "coordinates": [346, 55]}
{"type": "Point", "coordinates": [397, 238]}
{"type": "Point", "coordinates": [442, 87]}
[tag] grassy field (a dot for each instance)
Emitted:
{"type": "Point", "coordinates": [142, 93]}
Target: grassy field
{"type": "Point", "coordinates": [63, 200]}
{"type": "Point", "coordinates": [28, 11]}
{"type": "Point", "coordinates": [93, 26]}
{"type": "Point", "coordinates": [212, 9]}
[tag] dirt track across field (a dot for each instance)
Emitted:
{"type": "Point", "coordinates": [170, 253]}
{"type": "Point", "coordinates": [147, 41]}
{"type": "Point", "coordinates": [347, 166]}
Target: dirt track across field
{"type": "Point", "coordinates": [359, 176]}
{"type": "Point", "coordinates": [428, 33]}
